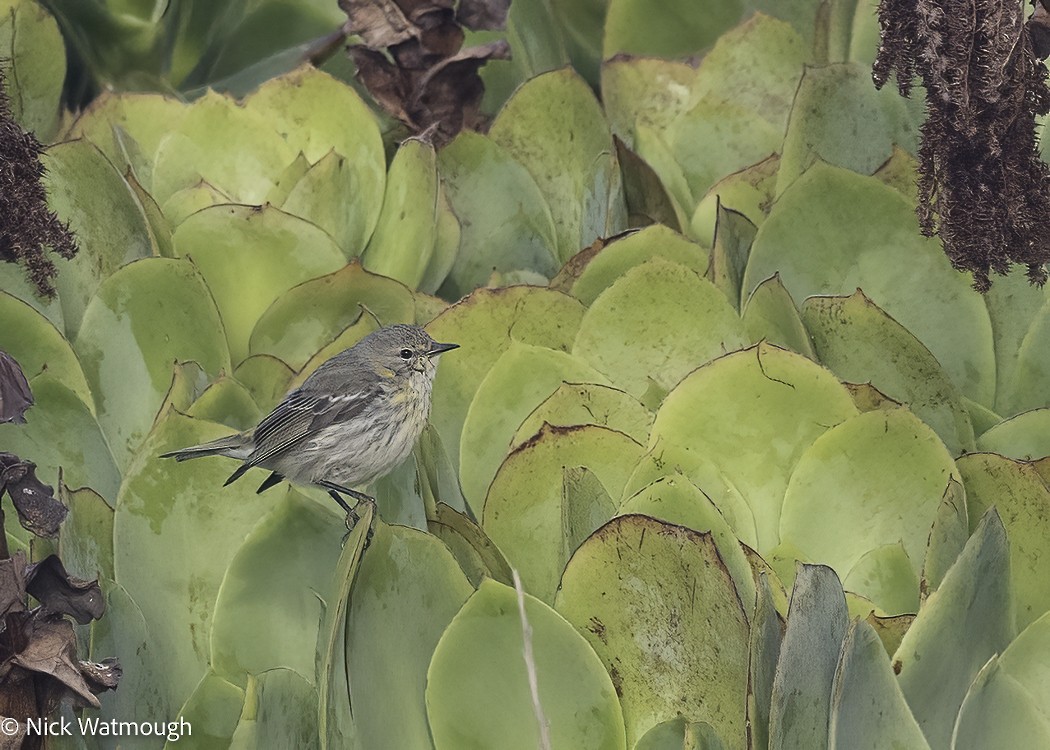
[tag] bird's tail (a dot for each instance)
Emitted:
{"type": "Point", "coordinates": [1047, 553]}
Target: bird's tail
{"type": "Point", "coordinates": [233, 446]}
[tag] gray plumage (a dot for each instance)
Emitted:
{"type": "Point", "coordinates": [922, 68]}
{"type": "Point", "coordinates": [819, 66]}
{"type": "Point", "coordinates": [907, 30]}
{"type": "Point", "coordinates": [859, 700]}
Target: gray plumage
{"type": "Point", "coordinates": [352, 420]}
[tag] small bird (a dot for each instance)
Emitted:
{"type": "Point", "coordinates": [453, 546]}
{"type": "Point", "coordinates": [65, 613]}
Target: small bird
{"type": "Point", "coordinates": [353, 420]}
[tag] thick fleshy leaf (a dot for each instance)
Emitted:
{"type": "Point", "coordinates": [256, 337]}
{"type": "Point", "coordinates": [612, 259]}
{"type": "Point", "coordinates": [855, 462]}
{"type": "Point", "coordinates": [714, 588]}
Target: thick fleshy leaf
{"type": "Point", "coordinates": [539, 507]}
{"type": "Point", "coordinates": [312, 314]}
{"type": "Point", "coordinates": [1013, 305]}
{"type": "Point", "coordinates": [887, 577]}
{"type": "Point", "coordinates": [1025, 660]}
{"type": "Point", "coordinates": [679, 734]}
{"type": "Point", "coordinates": [86, 538]}
{"type": "Point", "coordinates": [188, 201]}
{"type": "Point", "coordinates": [328, 195]}
{"type": "Point", "coordinates": [655, 324]}
{"type": "Point", "coordinates": [734, 235]}
{"type": "Point", "coordinates": [508, 223]}
{"type": "Point", "coordinates": [13, 282]}
{"type": "Point", "coordinates": [482, 648]}
{"type": "Point", "coordinates": [588, 403]}
{"type": "Point", "coordinates": [212, 711]}
{"type": "Point", "coordinates": [1025, 437]}
{"type": "Point", "coordinates": [681, 29]}
{"type": "Point", "coordinates": [145, 118]}
{"type": "Point", "coordinates": [767, 635]}
{"type": "Point", "coordinates": [770, 315]}
{"type": "Point", "coordinates": [859, 342]}
{"type": "Point", "coordinates": [190, 152]}
{"type": "Point", "coordinates": [520, 380]}
{"type": "Point", "coordinates": [676, 500]}
{"type": "Point", "coordinates": [748, 192]}
{"type": "Point", "coordinates": [143, 318]}
{"type": "Point", "coordinates": [228, 402]}
{"type": "Point", "coordinates": [870, 481]}
{"type": "Point", "coordinates": [317, 113]}
{"type": "Point", "coordinates": [34, 66]}
{"type": "Point", "coordinates": [476, 554]}
{"type": "Point", "coordinates": [1027, 389]}
{"type": "Point", "coordinates": [948, 535]}
{"type": "Point", "coordinates": [404, 237]}
{"type": "Point", "coordinates": [962, 625]}
{"type": "Point", "coordinates": [658, 605]}
{"type": "Point", "coordinates": [269, 605]}
{"type": "Point", "coordinates": [839, 117]}
{"type": "Point", "coordinates": [169, 510]}
{"type": "Point", "coordinates": [87, 192]}
{"type": "Point", "coordinates": [249, 257]}
{"type": "Point", "coordinates": [646, 93]}
{"type": "Point", "coordinates": [1022, 500]}
{"type": "Point", "coordinates": [266, 378]}
{"type": "Point", "coordinates": [407, 590]}
{"type": "Point", "coordinates": [801, 701]}
{"type": "Point", "coordinates": [762, 395]}
{"type": "Point", "coordinates": [868, 710]}
{"type": "Point", "coordinates": [39, 347]}
{"type": "Point", "coordinates": [279, 712]}
{"type": "Point", "coordinates": [834, 231]}
{"type": "Point", "coordinates": [555, 128]}
{"type": "Point", "coordinates": [998, 712]}
{"type": "Point", "coordinates": [484, 325]}
{"type": "Point", "coordinates": [593, 272]}
{"type": "Point", "coordinates": [61, 436]}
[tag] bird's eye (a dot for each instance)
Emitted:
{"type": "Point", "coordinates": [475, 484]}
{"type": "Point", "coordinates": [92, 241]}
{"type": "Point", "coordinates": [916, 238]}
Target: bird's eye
{"type": "Point", "coordinates": [406, 354]}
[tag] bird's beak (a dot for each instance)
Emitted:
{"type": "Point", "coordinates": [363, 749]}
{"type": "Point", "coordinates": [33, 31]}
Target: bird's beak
{"type": "Point", "coordinates": [436, 348]}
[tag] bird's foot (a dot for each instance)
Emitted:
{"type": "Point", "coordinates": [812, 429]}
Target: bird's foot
{"type": "Point", "coordinates": [353, 518]}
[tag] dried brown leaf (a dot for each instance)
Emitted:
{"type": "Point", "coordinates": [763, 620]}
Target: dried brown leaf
{"type": "Point", "coordinates": [38, 510]}
{"type": "Point", "coordinates": [15, 395]}
{"type": "Point", "coordinates": [60, 593]}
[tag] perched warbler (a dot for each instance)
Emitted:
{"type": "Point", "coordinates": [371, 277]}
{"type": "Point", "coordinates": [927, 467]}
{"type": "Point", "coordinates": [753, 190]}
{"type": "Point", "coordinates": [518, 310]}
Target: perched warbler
{"type": "Point", "coordinates": [353, 420]}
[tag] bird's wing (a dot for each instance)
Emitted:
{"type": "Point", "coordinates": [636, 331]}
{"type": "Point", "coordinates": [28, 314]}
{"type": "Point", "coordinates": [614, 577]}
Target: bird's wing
{"type": "Point", "coordinates": [300, 415]}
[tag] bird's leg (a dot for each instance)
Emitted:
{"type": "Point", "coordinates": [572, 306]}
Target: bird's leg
{"type": "Point", "coordinates": [336, 492]}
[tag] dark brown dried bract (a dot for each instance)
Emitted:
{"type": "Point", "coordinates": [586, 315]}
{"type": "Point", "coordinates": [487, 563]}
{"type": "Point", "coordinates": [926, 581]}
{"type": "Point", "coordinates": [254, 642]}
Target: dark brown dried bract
{"type": "Point", "coordinates": [982, 186]}
{"type": "Point", "coordinates": [15, 396]}
{"type": "Point", "coordinates": [38, 510]}
{"type": "Point", "coordinates": [412, 63]}
{"type": "Point", "coordinates": [27, 227]}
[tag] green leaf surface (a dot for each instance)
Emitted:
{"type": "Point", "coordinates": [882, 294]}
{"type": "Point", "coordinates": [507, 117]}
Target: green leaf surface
{"type": "Point", "coordinates": [655, 324]}
{"type": "Point", "coordinates": [1027, 389]}
{"type": "Point", "coordinates": [1025, 437]}
{"type": "Point", "coordinates": [1025, 660]}
{"type": "Point", "coordinates": [660, 608]}
{"type": "Point", "coordinates": [554, 127]}
{"type": "Point", "coordinates": [478, 691]}
{"type": "Point", "coordinates": [861, 343]}
{"type": "Point", "coordinates": [404, 237]}
{"type": "Point", "coordinates": [86, 192]}
{"type": "Point", "coordinates": [749, 192]}
{"type": "Point", "coordinates": [679, 734]}
{"type": "Point", "coordinates": [962, 625]}
{"type": "Point", "coordinates": [762, 395]}
{"type": "Point", "coordinates": [211, 711]}
{"type": "Point", "coordinates": [536, 510]}
{"type": "Point", "coordinates": [39, 347]}
{"type": "Point", "coordinates": [1013, 305]}
{"type": "Point", "coordinates": [329, 195]}
{"type": "Point", "coordinates": [307, 317]}
{"type": "Point", "coordinates": [143, 318]}
{"type": "Point", "coordinates": [1022, 500]}
{"type": "Point", "coordinates": [34, 64]}
{"type": "Point", "coordinates": [770, 315]}
{"type": "Point", "coordinates": [767, 635]}
{"type": "Point", "coordinates": [270, 602]}
{"type": "Point", "coordinates": [266, 378]}
{"type": "Point", "coordinates": [734, 235]}
{"type": "Point", "coordinates": [484, 325]}
{"type": "Point", "coordinates": [278, 713]}
{"type": "Point", "coordinates": [835, 231]}
{"type": "Point", "coordinates": [588, 403]}
{"type": "Point", "coordinates": [506, 222]}
{"type": "Point", "coordinates": [676, 500]}
{"type": "Point", "coordinates": [62, 436]}
{"type": "Point", "coordinates": [998, 712]}
{"type": "Point", "coordinates": [447, 241]}
{"type": "Point", "coordinates": [872, 480]}
{"type": "Point", "coordinates": [188, 201]}
{"type": "Point", "coordinates": [408, 589]}
{"type": "Point", "coordinates": [85, 540]}
{"type": "Point", "coordinates": [887, 577]}
{"type": "Point", "coordinates": [801, 701]}
{"type": "Point", "coordinates": [190, 152]}
{"type": "Point", "coordinates": [948, 535]}
{"type": "Point", "coordinates": [228, 402]}
{"type": "Point", "coordinates": [868, 710]}
{"type": "Point", "coordinates": [521, 379]}
{"type": "Point", "coordinates": [840, 118]}
{"type": "Point", "coordinates": [681, 29]}
{"type": "Point", "coordinates": [249, 257]}
{"type": "Point", "coordinates": [165, 511]}
{"type": "Point", "coordinates": [599, 271]}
